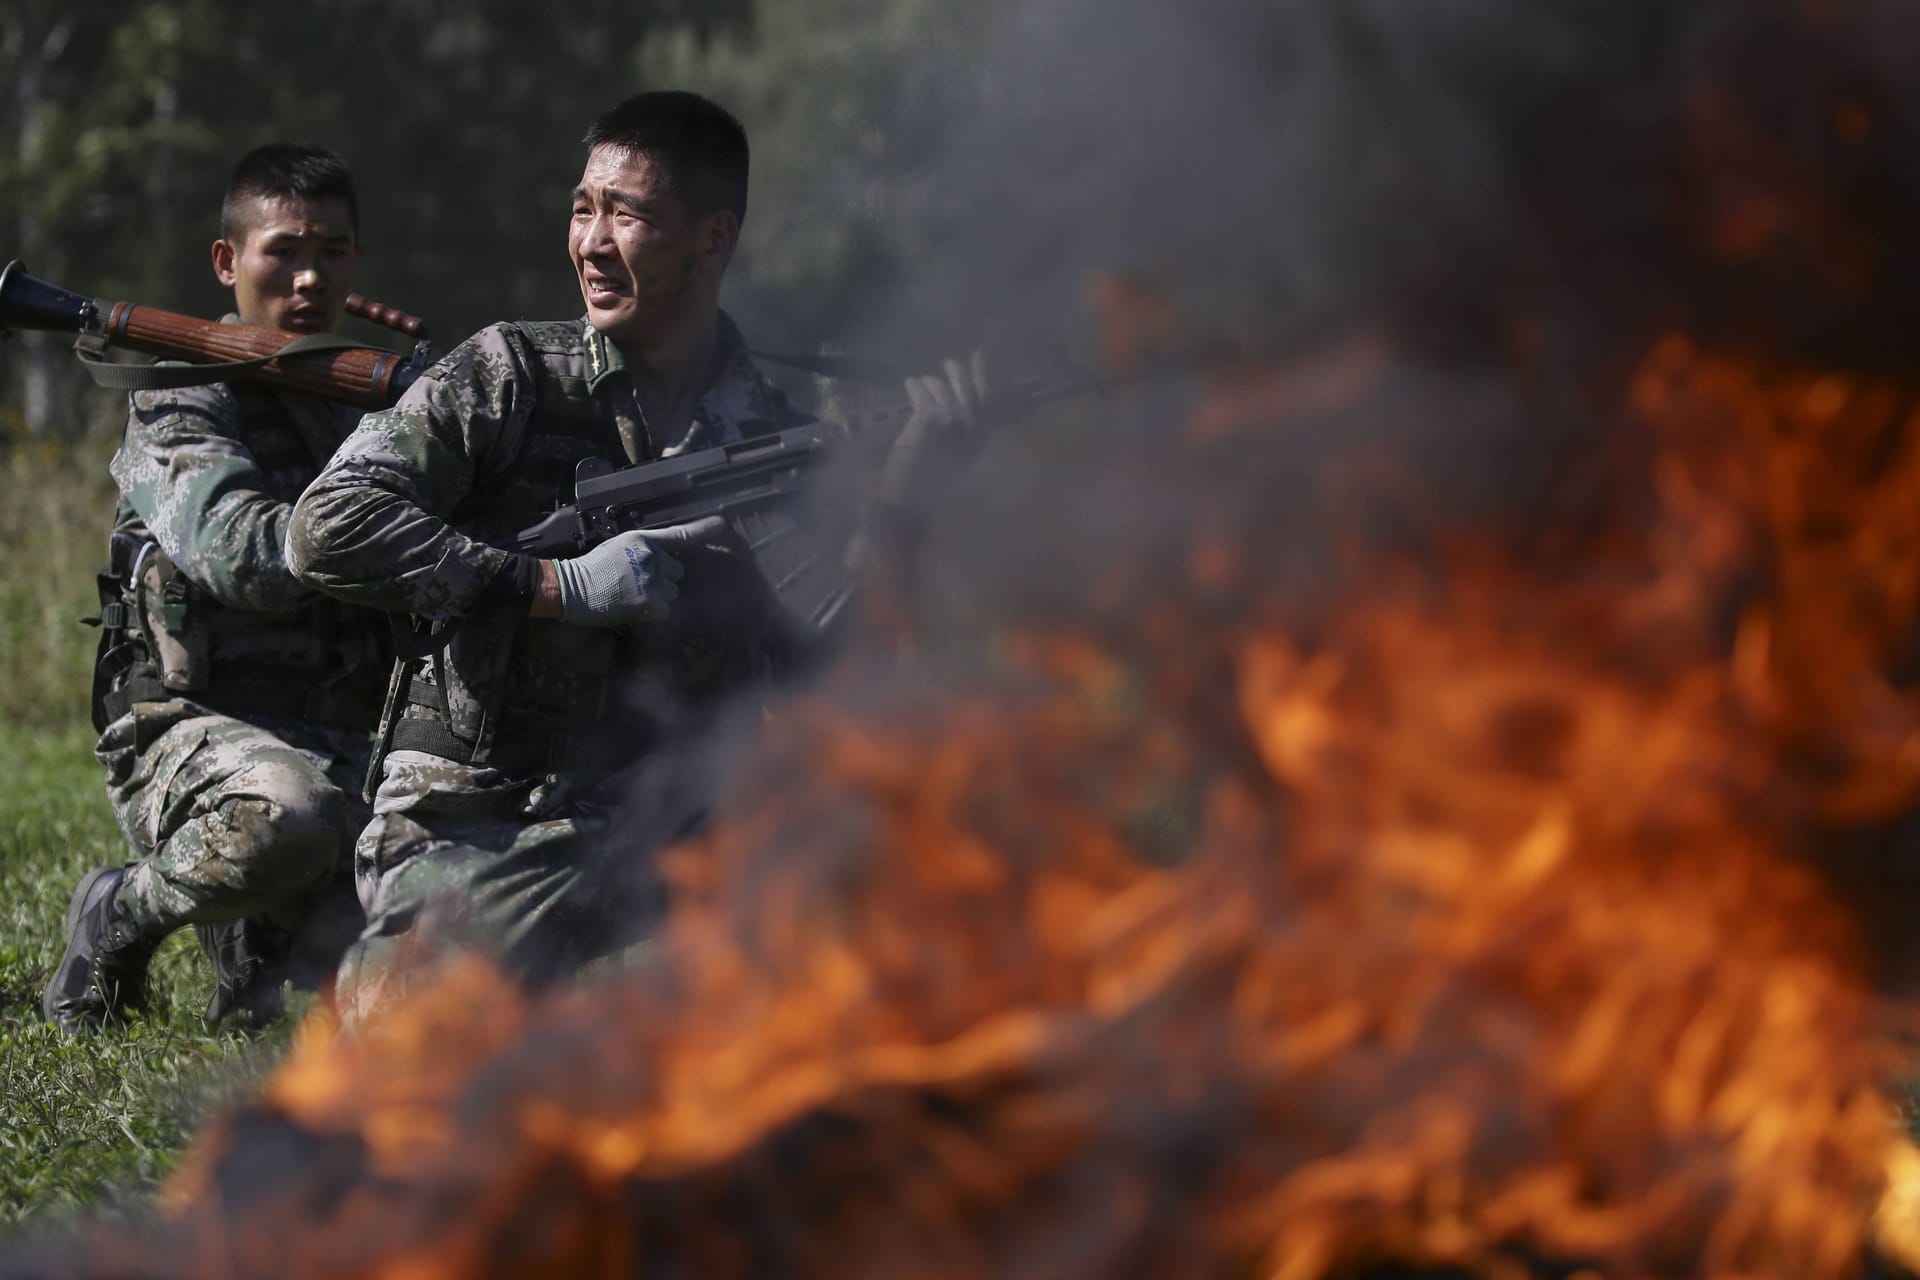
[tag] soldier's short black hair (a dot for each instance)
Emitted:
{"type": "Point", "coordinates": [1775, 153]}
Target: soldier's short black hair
{"type": "Point", "coordinates": [302, 170]}
{"type": "Point", "coordinates": [696, 141]}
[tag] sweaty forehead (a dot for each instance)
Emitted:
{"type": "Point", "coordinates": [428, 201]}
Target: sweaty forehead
{"type": "Point", "coordinates": [326, 217]}
{"type": "Point", "coordinates": [625, 169]}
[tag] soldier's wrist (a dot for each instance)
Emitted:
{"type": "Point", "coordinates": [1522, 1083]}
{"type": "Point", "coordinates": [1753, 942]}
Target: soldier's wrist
{"type": "Point", "coordinates": [516, 581]}
{"type": "Point", "coordinates": [546, 601]}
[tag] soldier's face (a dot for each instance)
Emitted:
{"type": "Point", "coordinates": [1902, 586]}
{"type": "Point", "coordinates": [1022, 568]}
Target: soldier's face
{"type": "Point", "coordinates": [291, 263]}
{"type": "Point", "coordinates": [647, 265]}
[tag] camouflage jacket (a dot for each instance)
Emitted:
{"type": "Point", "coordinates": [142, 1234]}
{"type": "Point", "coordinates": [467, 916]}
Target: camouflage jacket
{"type": "Point", "coordinates": [414, 513]}
{"type": "Point", "coordinates": [209, 474]}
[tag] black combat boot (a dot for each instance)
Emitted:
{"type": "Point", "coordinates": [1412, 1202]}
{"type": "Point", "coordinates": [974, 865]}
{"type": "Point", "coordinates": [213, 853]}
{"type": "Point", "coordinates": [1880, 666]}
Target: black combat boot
{"type": "Point", "coordinates": [103, 974]}
{"type": "Point", "coordinates": [247, 957]}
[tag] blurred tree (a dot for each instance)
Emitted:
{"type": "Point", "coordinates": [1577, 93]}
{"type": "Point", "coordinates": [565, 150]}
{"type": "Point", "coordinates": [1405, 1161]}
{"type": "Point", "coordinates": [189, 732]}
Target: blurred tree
{"type": "Point", "coordinates": [846, 103]}
{"type": "Point", "coordinates": [462, 123]}
{"type": "Point", "coordinates": [94, 133]}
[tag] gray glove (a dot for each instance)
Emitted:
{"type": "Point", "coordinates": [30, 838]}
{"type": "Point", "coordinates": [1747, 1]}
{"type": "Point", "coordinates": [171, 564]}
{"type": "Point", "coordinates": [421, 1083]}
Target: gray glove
{"type": "Point", "coordinates": [940, 433]}
{"type": "Point", "coordinates": [630, 580]}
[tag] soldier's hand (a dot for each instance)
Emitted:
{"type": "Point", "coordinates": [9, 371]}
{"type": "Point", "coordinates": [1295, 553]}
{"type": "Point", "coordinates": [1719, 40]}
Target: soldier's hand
{"type": "Point", "coordinates": [630, 580]}
{"type": "Point", "coordinates": [943, 429]}
{"type": "Point", "coordinates": [707, 536]}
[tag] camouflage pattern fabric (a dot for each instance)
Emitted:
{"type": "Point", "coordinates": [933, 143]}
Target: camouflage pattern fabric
{"type": "Point", "coordinates": [539, 876]}
{"type": "Point", "coordinates": [409, 516]}
{"type": "Point", "coordinates": [462, 447]}
{"type": "Point", "coordinates": [227, 818]}
{"type": "Point", "coordinates": [239, 814]}
{"type": "Point", "coordinates": [210, 473]}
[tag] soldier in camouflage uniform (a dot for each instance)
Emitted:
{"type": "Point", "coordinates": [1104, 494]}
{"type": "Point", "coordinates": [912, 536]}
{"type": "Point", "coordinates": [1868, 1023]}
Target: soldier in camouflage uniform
{"type": "Point", "coordinates": [567, 689]}
{"type": "Point", "coordinates": [236, 704]}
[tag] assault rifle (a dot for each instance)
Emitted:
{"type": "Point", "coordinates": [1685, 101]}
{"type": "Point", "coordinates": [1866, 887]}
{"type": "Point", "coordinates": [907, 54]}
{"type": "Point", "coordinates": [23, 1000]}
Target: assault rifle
{"type": "Point", "coordinates": [652, 495]}
{"type": "Point", "coordinates": [750, 475]}
{"type": "Point", "coordinates": [320, 364]}
{"type": "Point", "coordinates": [752, 483]}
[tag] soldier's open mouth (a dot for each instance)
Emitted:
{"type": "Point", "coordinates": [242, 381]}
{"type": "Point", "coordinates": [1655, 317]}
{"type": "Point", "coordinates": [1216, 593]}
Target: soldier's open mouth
{"type": "Point", "coordinates": [602, 289]}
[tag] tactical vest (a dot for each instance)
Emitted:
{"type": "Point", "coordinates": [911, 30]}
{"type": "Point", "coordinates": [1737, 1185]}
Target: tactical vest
{"type": "Point", "coordinates": [518, 692]}
{"type": "Point", "coordinates": [323, 662]}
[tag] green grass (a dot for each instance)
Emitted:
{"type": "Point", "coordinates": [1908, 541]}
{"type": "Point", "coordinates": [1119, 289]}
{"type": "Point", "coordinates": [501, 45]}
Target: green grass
{"type": "Point", "coordinates": [95, 1123]}
{"type": "Point", "coordinates": [54, 520]}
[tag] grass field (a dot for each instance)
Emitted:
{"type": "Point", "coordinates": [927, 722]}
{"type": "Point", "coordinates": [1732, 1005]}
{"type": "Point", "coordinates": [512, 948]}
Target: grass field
{"type": "Point", "coordinates": [96, 1122]}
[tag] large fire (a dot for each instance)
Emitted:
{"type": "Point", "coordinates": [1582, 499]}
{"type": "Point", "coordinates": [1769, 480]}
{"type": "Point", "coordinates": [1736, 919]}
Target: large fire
{"type": "Point", "coordinates": [1316, 879]}
{"type": "Point", "coordinates": [1479, 928]}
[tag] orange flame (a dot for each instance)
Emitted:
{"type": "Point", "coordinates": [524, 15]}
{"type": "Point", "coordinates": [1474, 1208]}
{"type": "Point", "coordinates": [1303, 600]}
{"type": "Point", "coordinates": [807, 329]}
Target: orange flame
{"type": "Point", "coordinates": [1482, 930]}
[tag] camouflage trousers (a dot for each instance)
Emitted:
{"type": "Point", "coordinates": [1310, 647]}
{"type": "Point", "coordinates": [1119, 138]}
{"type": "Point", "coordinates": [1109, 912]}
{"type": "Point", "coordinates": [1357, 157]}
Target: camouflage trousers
{"type": "Point", "coordinates": [227, 818]}
{"type": "Point", "coordinates": [541, 874]}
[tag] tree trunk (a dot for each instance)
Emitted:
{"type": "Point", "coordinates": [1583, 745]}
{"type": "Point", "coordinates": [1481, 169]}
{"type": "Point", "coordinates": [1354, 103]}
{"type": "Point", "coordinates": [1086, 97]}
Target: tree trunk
{"type": "Point", "coordinates": [40, 353]}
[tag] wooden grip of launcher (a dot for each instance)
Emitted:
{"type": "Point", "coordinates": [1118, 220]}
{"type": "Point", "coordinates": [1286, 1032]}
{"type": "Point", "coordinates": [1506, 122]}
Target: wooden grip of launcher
{"type": "Point", "coordinates": [360, 376]}
{"type": "Point", "coordinates": [381, 314]}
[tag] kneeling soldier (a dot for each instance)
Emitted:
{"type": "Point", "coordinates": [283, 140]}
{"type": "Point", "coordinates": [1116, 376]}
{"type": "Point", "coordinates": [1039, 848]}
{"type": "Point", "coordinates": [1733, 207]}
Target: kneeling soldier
{"type": "Point", "coordinates": [560, 736]}
{"type": "Point", "coordinates": [234, 703]}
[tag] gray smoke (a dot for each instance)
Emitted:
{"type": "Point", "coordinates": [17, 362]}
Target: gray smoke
{"type": "Point", "coordinates": [1513, 197]}
{"type": "Point", "coordinates": [1280, 165]}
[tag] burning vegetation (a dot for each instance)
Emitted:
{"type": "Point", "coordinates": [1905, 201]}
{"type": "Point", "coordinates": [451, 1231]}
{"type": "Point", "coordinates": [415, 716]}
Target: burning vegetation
{"type": "Point", "coordinates": [1441, 807]}
{"type": "Point", "coordinates": [1477, 928]}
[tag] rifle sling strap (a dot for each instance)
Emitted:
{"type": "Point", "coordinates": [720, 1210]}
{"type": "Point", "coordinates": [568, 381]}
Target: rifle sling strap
{"type": "Point", "coordinates": [167, 377]}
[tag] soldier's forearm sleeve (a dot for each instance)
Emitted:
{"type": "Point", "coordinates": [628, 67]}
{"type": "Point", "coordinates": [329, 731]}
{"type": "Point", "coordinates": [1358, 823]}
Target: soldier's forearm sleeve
{"type": "Point", "coordinates": [357, 533]}
{"type": "Point", "coordinates": [374, 527]}
{"type": "Point", "coordinates": [448, 585]}
{"type": "Point", "coordinates": [516, 581]}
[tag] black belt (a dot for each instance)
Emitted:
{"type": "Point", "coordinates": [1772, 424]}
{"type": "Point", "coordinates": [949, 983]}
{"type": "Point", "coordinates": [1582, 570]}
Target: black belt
{"type": "Point", "coordinates": [514, 750]}
{"type": "Point", "coordinates": [523, 742]}
{"type": "Point", "coordinates": [279, 699]}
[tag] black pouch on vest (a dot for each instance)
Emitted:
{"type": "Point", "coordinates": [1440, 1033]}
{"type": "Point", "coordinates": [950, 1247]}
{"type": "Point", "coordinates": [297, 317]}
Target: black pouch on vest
{"type": "Point", "coordinates": [121, 655]}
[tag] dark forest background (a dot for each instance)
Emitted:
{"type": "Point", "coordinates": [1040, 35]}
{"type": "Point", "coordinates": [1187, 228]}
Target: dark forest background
{"type": "Point", "coordinates": [120, 120]}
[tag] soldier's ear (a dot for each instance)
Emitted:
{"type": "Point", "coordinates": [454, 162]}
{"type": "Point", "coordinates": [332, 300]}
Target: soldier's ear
{"type": "Point", "coordinates": [224, 252]}
{"type": "Point", "coordinates": [722, 237]}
